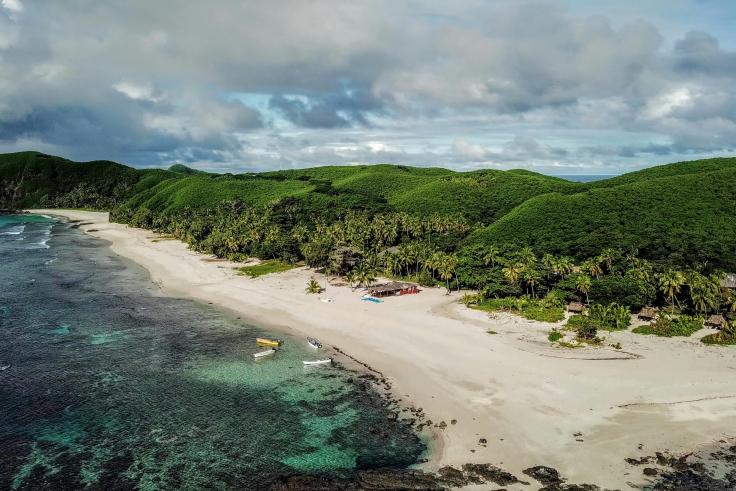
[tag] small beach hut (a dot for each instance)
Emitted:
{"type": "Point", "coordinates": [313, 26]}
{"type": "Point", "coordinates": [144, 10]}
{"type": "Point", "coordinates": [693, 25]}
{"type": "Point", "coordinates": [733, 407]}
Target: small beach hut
{"type": "Point", "coordinates": [392, 288]}
{"type": "Point", "coordinates": [729, 281]}
{"type": "Point", "coordinates": [716, 320]}
{"type": "Point", "coordinates": [575, 307]}
{"type": "Point", "coordinates": [648, 313]}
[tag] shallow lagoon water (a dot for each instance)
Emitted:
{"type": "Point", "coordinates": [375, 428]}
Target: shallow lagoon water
{"type": "Point", "coordinates": [111, 386]}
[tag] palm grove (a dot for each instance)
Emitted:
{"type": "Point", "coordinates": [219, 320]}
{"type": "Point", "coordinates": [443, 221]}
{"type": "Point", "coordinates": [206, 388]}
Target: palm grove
{"type": "Point", "coordinates": [430, 250]}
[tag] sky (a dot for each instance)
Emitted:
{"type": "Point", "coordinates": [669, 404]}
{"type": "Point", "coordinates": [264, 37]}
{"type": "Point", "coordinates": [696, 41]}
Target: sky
{"type": "Point", "coordinates": [554, 86]}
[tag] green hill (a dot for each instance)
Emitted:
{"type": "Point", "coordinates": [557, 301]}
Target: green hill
{"type": "Point", "coordinates": [183, 169]}
{"type": "Point", "coordinates": [680, 213]}
{"type": "Point", "coordinates": [33, 179]}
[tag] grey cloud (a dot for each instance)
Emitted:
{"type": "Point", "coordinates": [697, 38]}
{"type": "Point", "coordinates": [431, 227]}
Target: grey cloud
{"type": "Point", "coordinates": [361, 81]}
{"type": "Point", "coordinates": [334, 110]}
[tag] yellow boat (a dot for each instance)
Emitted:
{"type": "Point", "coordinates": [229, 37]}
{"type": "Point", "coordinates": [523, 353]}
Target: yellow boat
{"type": "Point", "coordinates": [268, 342]}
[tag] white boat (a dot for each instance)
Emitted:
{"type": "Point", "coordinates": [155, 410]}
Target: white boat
{"type": "Point", "coordinates": [314, 343]}
{"type": "Point", "coordinates": [328, 361]}
{"type": "Point", "coordinates": [4, 367]}
{"type": "Point", "coordinates": [261, 354]}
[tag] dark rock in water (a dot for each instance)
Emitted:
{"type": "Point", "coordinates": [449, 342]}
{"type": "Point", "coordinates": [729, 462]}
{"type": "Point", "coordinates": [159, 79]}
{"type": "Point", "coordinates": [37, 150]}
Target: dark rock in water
{"type": "Point", "coordinates": [491, 473]}
{"type": "Point", "coordinates": [546, 475]}
{"type": "Point", "coordinates": [374, 480]}
{"type": "Point", "coordinates": [689, 479]}
{"type": "Point", "coordinates": [641, 461]}
{"type": "Point", "coordinates": [685, 473]}
{"type": "Point", "coordinates": [452, 477]}
{"type": "Point", "coordinates": [571, 487]}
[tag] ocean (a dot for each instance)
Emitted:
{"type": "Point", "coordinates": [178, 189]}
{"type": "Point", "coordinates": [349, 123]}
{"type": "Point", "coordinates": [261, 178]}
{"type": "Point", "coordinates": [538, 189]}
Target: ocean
{"type": "Point", "coordinates": [105, 384]}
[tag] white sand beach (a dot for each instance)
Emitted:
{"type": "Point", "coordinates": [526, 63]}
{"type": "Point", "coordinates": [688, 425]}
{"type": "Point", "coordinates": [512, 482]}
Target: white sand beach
{"type": "Point", "coordinates": [582, 411]}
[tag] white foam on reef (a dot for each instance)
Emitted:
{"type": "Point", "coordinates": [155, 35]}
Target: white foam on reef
{"type": "Point", "coordinates": [15, 230]}
{"type": "Point", "coordinates": [40, 245]}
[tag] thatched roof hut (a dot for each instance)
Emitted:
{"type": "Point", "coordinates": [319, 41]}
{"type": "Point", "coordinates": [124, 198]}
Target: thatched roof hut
{"type": "Point", "coordinates": [729, 281]}
{"type": "Point", "coordinates": [575, 307]}
{"type": "Point", "coordinates": [648, 313]}
{"type": "Point", "coordinates": [392, 288]}
{"type": "Point", "coordinates": [715, 320]}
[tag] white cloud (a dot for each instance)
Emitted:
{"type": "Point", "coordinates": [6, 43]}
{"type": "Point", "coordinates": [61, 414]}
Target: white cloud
{"type": "Point", "coordinates": [12, 5]}
{"type": "Point", "coordinates": [664, 104]}
{"type": "Point", "coordinates": [137, 92]}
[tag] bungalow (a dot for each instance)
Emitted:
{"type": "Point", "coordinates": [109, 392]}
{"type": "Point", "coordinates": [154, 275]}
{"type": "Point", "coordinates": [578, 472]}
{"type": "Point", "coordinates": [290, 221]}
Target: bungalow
{"type": "Point", "coordinates": [648, 313]}
{"type": "Point", "coordinates": [392, 288]}
{"type": "Point", "coordinates": [575, 307]}
{"type": "Point", "coordinates": [715, 321]}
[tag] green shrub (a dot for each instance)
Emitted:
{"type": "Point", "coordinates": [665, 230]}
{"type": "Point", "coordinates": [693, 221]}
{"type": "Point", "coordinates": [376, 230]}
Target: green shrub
{"type": "Point", "coordinates": [623, 290]}
{"type": "Point", "coordinates": [722, 338]}
{"type": "Point", "coordinates": [554, 336]}
{"type": "Point", "coordinates": [611, 317]}
{"type": "Point", "coordinates": [265, 267]}
{"type": "Point", "coordinates": [669, 326]}
{"type": "Point", "coordinates": [529, 308]}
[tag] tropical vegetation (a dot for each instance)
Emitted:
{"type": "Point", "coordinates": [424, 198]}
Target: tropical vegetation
{"type": "Point", "coordinates": [525, 242]}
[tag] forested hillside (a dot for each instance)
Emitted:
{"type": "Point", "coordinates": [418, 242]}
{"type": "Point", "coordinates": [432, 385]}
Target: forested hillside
{"type": "Point", "coordinates": [679, 213]}
{"type": "Point", "coordinates": [678, 218]}
{"type": "Point", "coordinates": [36, 179]}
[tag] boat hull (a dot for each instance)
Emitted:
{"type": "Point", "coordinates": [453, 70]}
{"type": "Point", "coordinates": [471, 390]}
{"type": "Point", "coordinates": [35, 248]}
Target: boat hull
{"type": "Point", "coordinates": [268, 342]}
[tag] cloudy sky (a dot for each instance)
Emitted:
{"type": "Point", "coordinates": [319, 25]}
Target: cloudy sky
{"type": "Point", "coordinates": [556, 86]}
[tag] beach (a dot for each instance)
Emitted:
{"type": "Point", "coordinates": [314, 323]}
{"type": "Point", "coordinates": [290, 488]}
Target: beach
{"type": "Point", "coordinates": [508, 397]}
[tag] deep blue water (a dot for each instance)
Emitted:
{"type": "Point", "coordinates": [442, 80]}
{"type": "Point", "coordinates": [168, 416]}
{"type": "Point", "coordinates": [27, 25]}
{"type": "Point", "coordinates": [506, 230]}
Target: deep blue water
{"type": "Point", "coordinates": [107, 385]}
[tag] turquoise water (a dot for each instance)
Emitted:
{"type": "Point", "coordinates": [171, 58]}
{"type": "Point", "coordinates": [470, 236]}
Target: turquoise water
{"type": "Point", "coordinates": [113, 387]}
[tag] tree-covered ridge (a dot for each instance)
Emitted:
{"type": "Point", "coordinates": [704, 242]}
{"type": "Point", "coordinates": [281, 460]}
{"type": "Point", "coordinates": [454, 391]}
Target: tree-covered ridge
{"type": "Point", "coordinates": [680, 213]}
{"type": "Point", "coordinates": [183, 169]}
{"type": "Point", "coordinates": [36, 179]}
{"type": "Point", "coordinates": [683, 218]}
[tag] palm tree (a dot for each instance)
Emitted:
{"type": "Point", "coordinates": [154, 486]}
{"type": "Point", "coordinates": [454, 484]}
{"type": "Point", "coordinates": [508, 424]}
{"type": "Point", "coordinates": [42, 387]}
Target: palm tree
{"type": "Point", "coordinates": [531, 277]}
{"type": "Point", "coordinates": [512, 272]}
{"type": "Point", "coordinates": [607, 256]}
{"type": "Point", "coordinates": [640, 269]}
{"type": "Point", "coordinates": [592, 267]}
{"type": "Point", "coordinates": [491, 255]}
{"type": "Point", "coordinates": [526, 256]}
{"type": "Point", "coordinates": [582, 283]}
{"type": "Point", "coordinates": [703, 291]}
{"type": "Point", "coordinates": [447, 267]}
{"type": "Point", "coordinates": [549, 262]}
{"type": "Point", "coordinates": [350, 276]}
{"type": "Point", "coordinates": [563, 266]}
{"type": "Point", "coordinates": [313, 287]}
{"type": "Point", "coordinates": [363, 275]}
{"type": "Point", "coordinates": [670, 283]}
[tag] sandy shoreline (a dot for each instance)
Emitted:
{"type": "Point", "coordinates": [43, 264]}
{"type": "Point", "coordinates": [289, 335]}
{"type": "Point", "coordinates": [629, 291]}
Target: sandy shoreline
{"type": "Point", "coordinates": [581, 411]}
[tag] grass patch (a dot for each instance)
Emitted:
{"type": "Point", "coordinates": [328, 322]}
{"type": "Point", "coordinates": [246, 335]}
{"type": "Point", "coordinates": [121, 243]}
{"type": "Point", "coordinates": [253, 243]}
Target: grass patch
{"type": "Point", "coordinates": [667, 326]}
{"type": "Point", "coordinates": [266, 267]}
{"type": "Point", "coordinates": [529, 308]}
{"type": "Point", "coordinates": [722, 338]}
{"type": "Point", "coordinates": [554, 336]}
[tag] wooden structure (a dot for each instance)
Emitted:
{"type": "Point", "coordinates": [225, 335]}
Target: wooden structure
{"type": "Point", "coordinates": [344, 259]}
{"type": "Point", "coordinates": [648, 313]}
{"type": "Point", "coordinates": [716, 321]}
{"type": "Point", "coordinates": [575, 307]}
{"type": "Point", "coordinates": [729, 281]}
{"type": "Point", "coordinates": [392, 288]}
